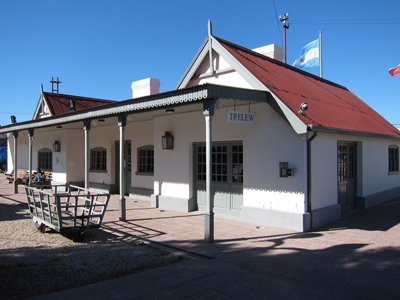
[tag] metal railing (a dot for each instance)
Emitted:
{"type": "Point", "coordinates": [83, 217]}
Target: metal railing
{"type": "Point", "coordinates": [74, 208]}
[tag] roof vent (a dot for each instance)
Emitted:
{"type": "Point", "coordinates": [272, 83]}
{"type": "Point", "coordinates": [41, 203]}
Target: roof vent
{"type": "Point", "coordinates": [273, 51]}
{"type": "Point", "coordinates": [71, 105]}
{"type": "Point", "coordinates": [145, 87]}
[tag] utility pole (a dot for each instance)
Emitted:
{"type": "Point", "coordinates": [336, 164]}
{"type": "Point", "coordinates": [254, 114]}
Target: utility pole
{"type": "Point", "coordinates": [285, 26]}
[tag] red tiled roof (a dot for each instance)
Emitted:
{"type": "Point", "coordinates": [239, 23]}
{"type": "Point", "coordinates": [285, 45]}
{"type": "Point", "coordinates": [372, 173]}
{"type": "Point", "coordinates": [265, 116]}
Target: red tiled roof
{"type": "Point", "coordinates": [58, 103]}
{"type": "Point", "coordinates": [330, 105]}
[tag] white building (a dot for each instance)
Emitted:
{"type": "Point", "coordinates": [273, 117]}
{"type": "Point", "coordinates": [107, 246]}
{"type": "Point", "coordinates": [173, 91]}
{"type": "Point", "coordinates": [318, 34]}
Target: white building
{"type": "Point", "coordinates": [288, 149]}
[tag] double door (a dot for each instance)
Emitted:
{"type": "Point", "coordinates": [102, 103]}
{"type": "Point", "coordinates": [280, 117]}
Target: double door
{"type": "Point", "coordinates": [227, 176]}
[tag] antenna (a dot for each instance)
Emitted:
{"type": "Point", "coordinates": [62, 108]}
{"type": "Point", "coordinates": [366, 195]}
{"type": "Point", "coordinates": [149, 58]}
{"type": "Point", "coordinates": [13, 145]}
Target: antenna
{"type": "Point", "coordinates": [52, 85]}
{"type": "Point", "coordinates": [285, 26]}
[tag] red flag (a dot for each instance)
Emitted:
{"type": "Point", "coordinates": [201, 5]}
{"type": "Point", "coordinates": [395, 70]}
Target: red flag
{"type": "Point", "coordinates": [394, 71]}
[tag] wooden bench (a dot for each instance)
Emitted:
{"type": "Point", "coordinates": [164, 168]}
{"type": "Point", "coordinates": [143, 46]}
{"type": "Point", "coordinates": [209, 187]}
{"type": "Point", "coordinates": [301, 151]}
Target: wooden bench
{"type": "Point", "coordinates": [46, 181]}
{"type": "Point", "coordinates": [22, 176]}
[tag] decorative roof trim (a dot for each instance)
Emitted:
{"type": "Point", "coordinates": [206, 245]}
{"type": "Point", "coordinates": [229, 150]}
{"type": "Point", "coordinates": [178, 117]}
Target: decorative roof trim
{"type": "Point", "coordinates": [201, 93]}
{"type": "Point", "coordinates": [42, 101]}
{"type": "Point", "coordinates": [197, 60]}
{"type": "Point", "coordinates": [298, 126]}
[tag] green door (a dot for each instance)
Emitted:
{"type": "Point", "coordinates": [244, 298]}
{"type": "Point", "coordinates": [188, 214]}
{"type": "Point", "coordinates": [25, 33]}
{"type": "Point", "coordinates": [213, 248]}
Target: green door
{"type": "Point", "coordinates": [347, 167]}
{"type": "Point", "coordinates": [227, 176]}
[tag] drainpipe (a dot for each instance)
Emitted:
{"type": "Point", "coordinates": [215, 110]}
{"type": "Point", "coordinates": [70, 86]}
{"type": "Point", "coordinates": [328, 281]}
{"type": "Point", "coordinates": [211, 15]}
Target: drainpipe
{"type": "Point", "coordinates": [309, 200]}
{"type": "Point", "coordinates": [15, 135]}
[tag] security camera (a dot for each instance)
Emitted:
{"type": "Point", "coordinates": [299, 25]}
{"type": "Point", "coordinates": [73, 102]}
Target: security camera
{"type": "Point", "coordinates": [303, 107]}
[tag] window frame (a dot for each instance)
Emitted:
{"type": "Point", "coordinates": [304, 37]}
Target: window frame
{"type": "Point", "coordinates": [98, 160]}
{"type": "Point", "coordinates": [393, 159]}
{"type": "Point", "coordinates": [144, 167]}
{"type": "Point", "coordinates": [45, 163]}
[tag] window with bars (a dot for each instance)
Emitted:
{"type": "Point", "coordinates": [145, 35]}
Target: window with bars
{"type": "Point", "coordinates": [237, 163]}
{"type": "Point", "coordinates": [346, 162]}
{"type": "Point", "coordinates": [145, 160]}
{"type": "Point", "coordinates": [45, 159]}
{"type": "Point", "coordinates": [227, 162]}
{"type": "Point", "coordinates": [98, 159]}
{"type": "Point", "coordinates": [393, 158]}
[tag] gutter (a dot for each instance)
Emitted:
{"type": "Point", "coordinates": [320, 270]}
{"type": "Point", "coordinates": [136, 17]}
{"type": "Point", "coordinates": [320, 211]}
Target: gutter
{"type": "Point", "coordinates": [309, 177]}
{"type": "Point", "coordinates": [351, 132]}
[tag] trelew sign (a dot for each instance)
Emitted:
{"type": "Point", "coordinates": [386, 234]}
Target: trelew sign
{"type": "Point", "coordinates": [240, 117]}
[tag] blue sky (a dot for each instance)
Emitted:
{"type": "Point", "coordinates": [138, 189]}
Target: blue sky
{"type": "Point", "coordinates": [98, 48]}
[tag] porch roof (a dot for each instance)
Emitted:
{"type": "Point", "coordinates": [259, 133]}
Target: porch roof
{"type": "Point", "coordinates": [197, 94]}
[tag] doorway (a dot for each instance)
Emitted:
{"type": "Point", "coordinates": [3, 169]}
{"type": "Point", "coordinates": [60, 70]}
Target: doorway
{"type": "Point", "coordinates": [347, 175]}
{"type": "Point", "coordinates": [227, 176]}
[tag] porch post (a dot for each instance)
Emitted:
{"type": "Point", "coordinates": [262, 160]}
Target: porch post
{"type": "Point", "coordinates": [208, 112]}
{"type": "Point", "coordinates": [86, 128]}
{"type": "Point", "coordinates": [122, 201]}
{"type": "Point", "coordinates": [30, 135]}
{"type": "Point", "coordinates": [15, 135]}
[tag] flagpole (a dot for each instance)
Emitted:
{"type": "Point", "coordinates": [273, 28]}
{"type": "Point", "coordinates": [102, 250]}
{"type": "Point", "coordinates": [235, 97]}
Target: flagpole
{"type": "Point", "coordinates": [320, 54]}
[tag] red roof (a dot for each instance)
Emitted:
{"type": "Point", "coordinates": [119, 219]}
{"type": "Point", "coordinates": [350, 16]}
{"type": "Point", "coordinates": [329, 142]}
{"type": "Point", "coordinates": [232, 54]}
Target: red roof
{"type": "Point", "coordinates": [59, 103]}
{"type": "Point", "coordinates": [330, 105]}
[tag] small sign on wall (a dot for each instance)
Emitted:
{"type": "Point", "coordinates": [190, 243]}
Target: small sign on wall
{"type": "Point", "coordinates": [240, 117]}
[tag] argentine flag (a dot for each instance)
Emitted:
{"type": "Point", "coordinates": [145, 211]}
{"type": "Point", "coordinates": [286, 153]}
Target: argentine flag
{"type": "Point", "coordinates": [309, 55]}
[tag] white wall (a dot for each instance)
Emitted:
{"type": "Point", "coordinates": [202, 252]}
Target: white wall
{"type": "Point", "coordinates": [104, 137]}
{"type": "Point", "coordinates": [324, 170]}
{"type": "Point", "coordinates": [376, 177]}
{"type": "Point", "coordinates": [372, 168]}
{"type": "Point", "coordinates": [140, 134]}
{"type": "Point", "coordinates": [43, 138]}
{"type": "Point", "coordinates": [74, 143]}
{"type": "Point", "coordinates": [266, 143]}
{"type": "Point", "coordinates": [270, 142]}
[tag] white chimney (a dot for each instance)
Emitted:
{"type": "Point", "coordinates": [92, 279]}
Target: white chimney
{"type": "Point", "coordinates": [273, 51]}
{"type": "Point", "coordinates": [145, 87]}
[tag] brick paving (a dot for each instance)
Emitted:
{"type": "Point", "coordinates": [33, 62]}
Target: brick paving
{"type": "Point", "coordinates": [357, 257]}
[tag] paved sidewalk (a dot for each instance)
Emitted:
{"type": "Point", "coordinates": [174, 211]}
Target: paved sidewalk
{"type": "Point", "coordinates": [355, 258]}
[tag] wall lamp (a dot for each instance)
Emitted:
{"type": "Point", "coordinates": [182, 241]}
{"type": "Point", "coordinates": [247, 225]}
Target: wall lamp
{"type": "Point", "coordinates": [56, 146]}
{"type": "Point", "coordinates": [167, 141]}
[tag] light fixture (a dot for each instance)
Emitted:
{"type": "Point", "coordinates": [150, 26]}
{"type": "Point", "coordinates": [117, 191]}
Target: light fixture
{"type": "Point", "coordinates": [59, 126]}
{"type": "Point", "coordinates": [303, 107]}
{"type": "Point", "coordinates": [56, 146]}
{"type": "Point", "coordinates": [167, 141]}
{"type": "Point", "coordinates": [100, 120]}
{"type": "Point", "coordinates": [170, 110]}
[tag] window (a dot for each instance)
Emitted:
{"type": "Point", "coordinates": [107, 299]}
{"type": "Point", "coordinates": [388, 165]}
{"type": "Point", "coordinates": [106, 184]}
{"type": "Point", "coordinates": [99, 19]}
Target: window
{"type": "Point", "coordinates": [146, 160]}
{"type": "Point", "coordinates": [227, 163]}
{"type": "Point", "coordinates": [45, 159]}
{"type": "Point", "coordinates": [98, 159]}
{"type": "Point", "coordinates": [393, 158]}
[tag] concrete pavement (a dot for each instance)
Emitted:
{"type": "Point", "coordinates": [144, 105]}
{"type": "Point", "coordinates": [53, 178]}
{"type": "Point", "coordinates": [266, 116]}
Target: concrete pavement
{"type": "Point", "coordinates": [357, 257]}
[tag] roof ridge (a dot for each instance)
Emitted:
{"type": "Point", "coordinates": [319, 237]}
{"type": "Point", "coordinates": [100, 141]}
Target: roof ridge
{"type": "Point", "coordinates": [75, 96]}
{"type": "Point", "coordinates": [280, 63]}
